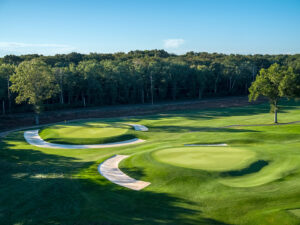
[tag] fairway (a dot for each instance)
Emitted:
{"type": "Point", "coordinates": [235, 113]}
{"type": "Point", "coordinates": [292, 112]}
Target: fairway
{"type": "Point", "coordinates": [206, 158]}
{"type": "Point", "coordinates": [255, 179]}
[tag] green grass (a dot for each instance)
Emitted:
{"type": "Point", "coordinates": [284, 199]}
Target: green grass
{"type": "Point", "coordinates": [206, 158]}
{"type": "Point", "coordinates": [87, 133]}
{"type": "Point", "coordinates": [255, 180]}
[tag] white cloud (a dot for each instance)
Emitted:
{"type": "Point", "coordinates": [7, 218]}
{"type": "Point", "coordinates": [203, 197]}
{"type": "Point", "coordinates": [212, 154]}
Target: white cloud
{"type": "Point", "coordinates": [173, 43]}
{"type": "Point", "coordinates": [29, 48]}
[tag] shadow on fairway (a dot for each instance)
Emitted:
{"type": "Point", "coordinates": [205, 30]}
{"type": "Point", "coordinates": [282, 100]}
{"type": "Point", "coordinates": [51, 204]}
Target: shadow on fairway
{"type": "Point", "coordinates": [38, 188]}
{"type": "Point", "coordinates": [212, 113]}
{"type": "Point", "coordinates": [253, 168]}
{"type": "Point", "coordinates": [87, 141]}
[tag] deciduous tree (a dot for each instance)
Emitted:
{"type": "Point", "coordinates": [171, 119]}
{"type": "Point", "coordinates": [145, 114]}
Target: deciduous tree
{"type": "Point", "coordinates": [270, 83]}
{"type": "Point", "coordinates": [34, 82]}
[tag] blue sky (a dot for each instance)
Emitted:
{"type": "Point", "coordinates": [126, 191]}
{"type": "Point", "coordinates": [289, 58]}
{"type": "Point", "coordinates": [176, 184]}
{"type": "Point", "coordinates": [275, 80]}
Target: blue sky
{"type": "Point", "coordinates": [227, 26]}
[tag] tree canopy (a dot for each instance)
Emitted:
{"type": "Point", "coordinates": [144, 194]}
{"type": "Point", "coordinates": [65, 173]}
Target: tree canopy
{"type": "Point", "coordinates": [34, 83]}
{"type": "Point", "coordinates": [137, 77]}
{"type": "Point", "coordinates": [273, 83]}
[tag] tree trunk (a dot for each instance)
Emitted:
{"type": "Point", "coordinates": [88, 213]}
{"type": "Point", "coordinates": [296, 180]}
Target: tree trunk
{"type": "Point", "coordinates": [151, 82]}
{"type": "Point", "coordinates": [83, 99]}
{"type": "Point", "coordinates": [200, 93]}
{"type": "Point", "coordinates": [37, 119]}
{"type": "Point", "coordinates": [143, 96]}
{"type": "Point", "coordinates": [61, 97]}
{"type": "Point", "coordinates": [3, 107]}
{"type": "Point", "coordinates": [8, 95]}
{"type": "Point", "coordinates": [233, 83]}
{"type": "Point", "coordinates": [275, 113]}
{"type": "Point", "coordinates": [275, 116]}
{"type": "Point", "coordinates": [61, 88]}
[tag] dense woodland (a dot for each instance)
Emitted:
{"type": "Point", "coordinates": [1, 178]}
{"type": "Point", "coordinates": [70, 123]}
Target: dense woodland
{"type": "Point", "coordinates": [137, 77]}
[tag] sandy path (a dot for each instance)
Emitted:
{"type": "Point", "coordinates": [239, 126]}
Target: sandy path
{"type": "Point", "coordinates": [110, 170]}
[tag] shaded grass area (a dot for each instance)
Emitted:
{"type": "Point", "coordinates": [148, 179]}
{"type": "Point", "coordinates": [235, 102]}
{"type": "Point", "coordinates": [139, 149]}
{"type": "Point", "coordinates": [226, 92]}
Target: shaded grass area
{"type": "Point", "coordinates": [55, 186]}
{"type": "Point", "coordinates": [252, 168]}
{"type": "Point", "coordinates": [60, 197]}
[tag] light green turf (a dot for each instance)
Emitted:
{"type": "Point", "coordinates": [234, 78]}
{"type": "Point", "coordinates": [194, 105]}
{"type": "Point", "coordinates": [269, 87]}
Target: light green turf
{"type": "Point", "coordinates": [87, 133]}
{"type": "Point", "coordinates": [296, 212]}
{"type": "Point", "coordinates": [206, 158]}
{"type": "Point", "coordinates": [63, 186]}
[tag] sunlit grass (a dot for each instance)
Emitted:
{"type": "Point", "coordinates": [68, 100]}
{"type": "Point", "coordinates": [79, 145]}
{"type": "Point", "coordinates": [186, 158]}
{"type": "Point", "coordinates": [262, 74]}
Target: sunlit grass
{"type": "Point", "coordinates": [255, 180]}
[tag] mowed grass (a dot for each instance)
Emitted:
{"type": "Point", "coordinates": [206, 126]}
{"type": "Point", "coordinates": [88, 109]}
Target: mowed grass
{"type": "Point", "coordinates": [206, 158]}
{"type": "Point", "coordinates": [87, 133]}
{"type": "Point", "coordinates": [59, 186]}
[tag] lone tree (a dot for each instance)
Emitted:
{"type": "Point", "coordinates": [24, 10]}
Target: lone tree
{"type": "Point", "coordinates": [34, 83]}
{"type": "Point", "coordinates": [272, 84]}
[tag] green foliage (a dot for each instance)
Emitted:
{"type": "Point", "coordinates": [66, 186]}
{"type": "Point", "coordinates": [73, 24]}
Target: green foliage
{"type": "Point", "coordinates": [140, 76]}
{"type": "Point", "coordinates": [267, 84]}
{"type": "Point", "coordinates": [290, 84]}
{"type": "Point", "coordinates": [33, 82]}
{"type": "Point", "coordinates": [273, 83]}
{"type": "Point", "coordinates": [6, 71]}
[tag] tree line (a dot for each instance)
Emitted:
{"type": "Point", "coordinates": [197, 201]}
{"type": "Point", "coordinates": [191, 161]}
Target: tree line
{"type": "Point", "coordinates": [137, 77]}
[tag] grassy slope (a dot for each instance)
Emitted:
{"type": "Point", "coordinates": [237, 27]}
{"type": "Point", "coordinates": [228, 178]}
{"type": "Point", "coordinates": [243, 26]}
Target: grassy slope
{"type": "Point", "coordinates": [53, 186]}
{"type": "Point", "coordinates": [87, 133]}
{"type": "Point", "coordinates": [206, 158]}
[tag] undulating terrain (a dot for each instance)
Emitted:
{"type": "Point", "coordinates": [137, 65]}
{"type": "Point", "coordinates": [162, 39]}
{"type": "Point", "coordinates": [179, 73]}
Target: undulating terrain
{"type": "Point", "coordinates": [253, 180]}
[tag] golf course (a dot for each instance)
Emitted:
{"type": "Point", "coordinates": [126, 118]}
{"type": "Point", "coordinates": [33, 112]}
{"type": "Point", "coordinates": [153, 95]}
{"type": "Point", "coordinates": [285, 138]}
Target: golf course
{"type": "Point", "coordinates": [228, 165]}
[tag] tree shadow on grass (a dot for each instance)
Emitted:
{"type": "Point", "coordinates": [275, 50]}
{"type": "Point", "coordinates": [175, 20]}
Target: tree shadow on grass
{"type": "Point", "coordinates": [88, 141]}
{"type": "Point", "coordinates": [218, 112]}
{"type": "Point", "coordinates": [252, 168]}
{"type": "Point", "coordinates": [38, 188]}
{"type": "Point", "coordinates": [180, 129]}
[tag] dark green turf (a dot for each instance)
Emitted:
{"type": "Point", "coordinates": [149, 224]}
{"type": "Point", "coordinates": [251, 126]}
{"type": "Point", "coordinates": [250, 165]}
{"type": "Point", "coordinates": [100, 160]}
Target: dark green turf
{"type": "Point", "coordinates": [56, 186]}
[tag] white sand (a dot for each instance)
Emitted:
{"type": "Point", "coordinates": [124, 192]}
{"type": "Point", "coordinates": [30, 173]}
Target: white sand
{"type": "Point", "coordinates": [110, 170]}
{"type": "Point", "coordinates": [139, 127]}
{"type": "Point", "coordinates": [33, 138]}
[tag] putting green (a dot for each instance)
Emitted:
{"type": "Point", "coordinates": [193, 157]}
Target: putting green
{"type": "Point", "coordinates": [206, 158]}
{"type": "Point", "coordinates": [87, 133]}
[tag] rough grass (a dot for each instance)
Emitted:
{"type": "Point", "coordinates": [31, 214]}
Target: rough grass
{"type": "Point", "coordinates": [56, 186]}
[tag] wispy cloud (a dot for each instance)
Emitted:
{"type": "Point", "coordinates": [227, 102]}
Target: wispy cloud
{"type": "Point", "coordinates": [29, 48]}
{"type": "Point", "coordinates": [173, 43]}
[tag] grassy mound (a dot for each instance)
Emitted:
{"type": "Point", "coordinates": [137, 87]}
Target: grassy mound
{"type": "Point", "coordinates": [87, 133]}
{"type": "Point", "coordinates": [206, 158]}
{"type": "Point", "coordinates": [63, 186]}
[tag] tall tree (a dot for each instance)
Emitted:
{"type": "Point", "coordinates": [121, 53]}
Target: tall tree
{"type": "Point", "coordinates": [269, 83]}
{"type": "Point", "coordinates": [34, 82]}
